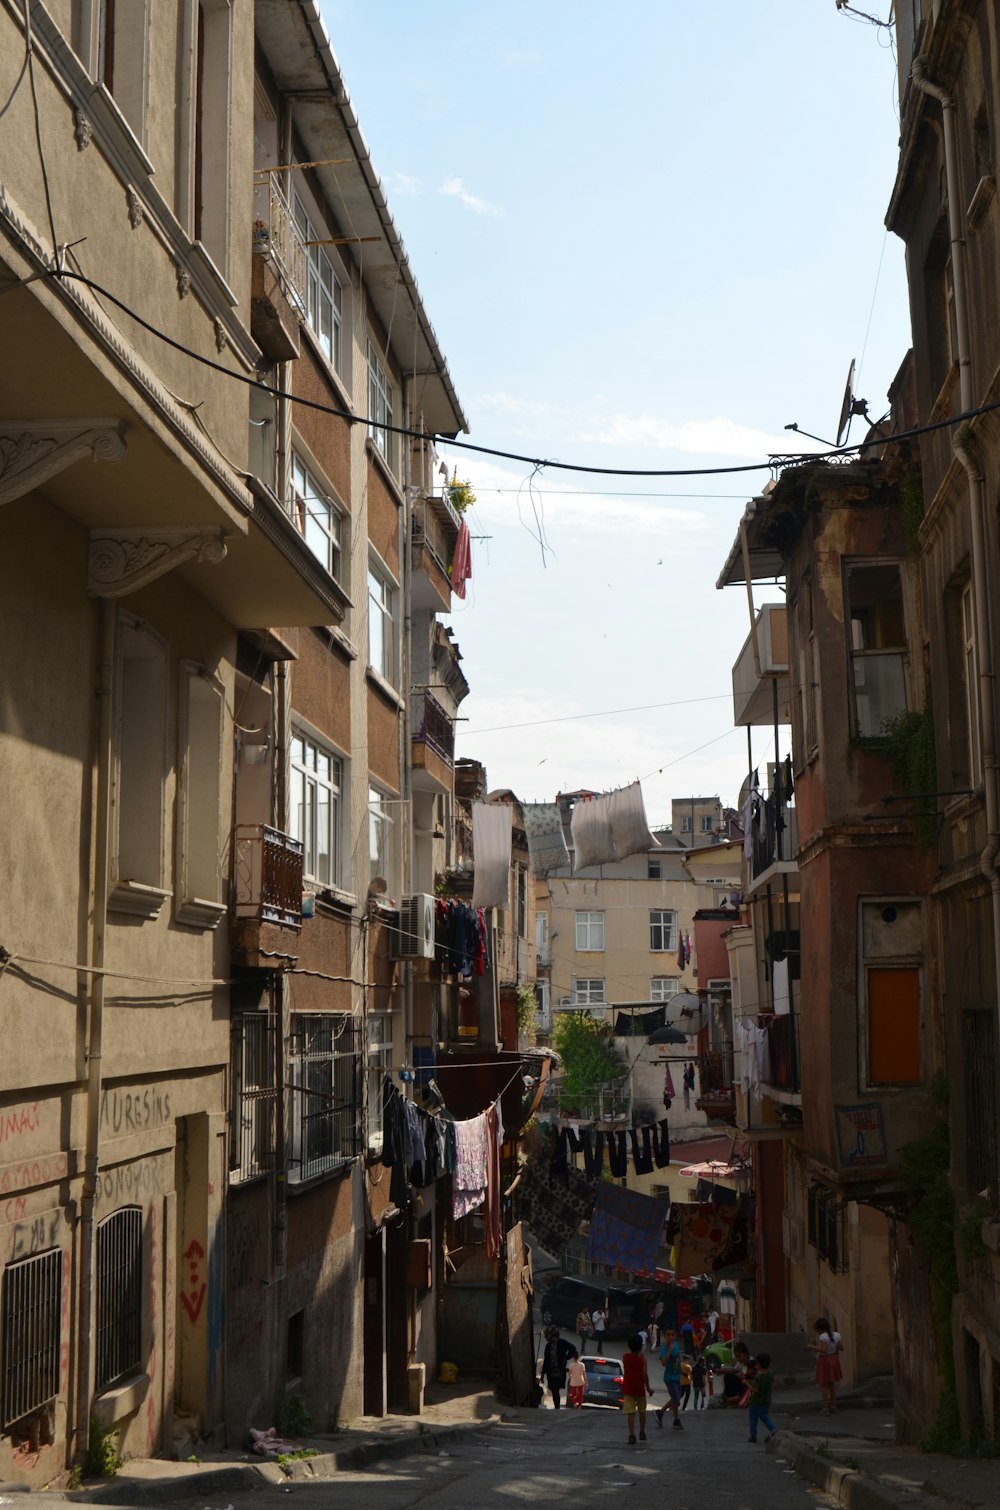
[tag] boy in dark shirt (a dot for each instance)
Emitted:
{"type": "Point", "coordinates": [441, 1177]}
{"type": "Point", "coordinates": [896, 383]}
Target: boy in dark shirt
{"type": "Point", "coordinates": [635, 1387]}
{"type": "Point", "coordinates": [761, 1389]}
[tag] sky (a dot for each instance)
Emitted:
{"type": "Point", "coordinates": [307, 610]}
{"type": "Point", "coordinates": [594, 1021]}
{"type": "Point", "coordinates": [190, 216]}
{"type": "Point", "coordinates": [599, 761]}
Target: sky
{"type": "Point", "coordinates": [647, 236]}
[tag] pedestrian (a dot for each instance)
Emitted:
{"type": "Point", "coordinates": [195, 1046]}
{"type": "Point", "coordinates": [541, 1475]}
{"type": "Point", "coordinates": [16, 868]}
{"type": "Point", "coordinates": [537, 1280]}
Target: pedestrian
{"type": "Point", "coordinates": [827, 1347]}
{"type": "Point", "coordinates": [688, 1085]}
{"type": "Point", "coordinates": [687, 1337]}
{"type": "Point", "coordinates": [760, 1397]}
{"type": "Point", "coordinates": [554, 1360]}
{"type": "Point", "coordinates": [635, 1388]}
{"type": "Point", "coordinates": [576, 1373]}
{"type": "Point", "coordinates": [599, 1321]}
{"type": "Point", "coordinates": [686, 1374]}
{"type": "Point", "coordinates": [712, 1325]}
{"type": "Point", "coordinates": [585, 1327]}
{"type": "Point", "coordinates": [734, 1376]}
{"type": "Point", "coordinates": [670, 1357]}
{"type": "Point", "coordinates": [699, 1378]}
{"type": "Point", "coordinates": [700, 1337]}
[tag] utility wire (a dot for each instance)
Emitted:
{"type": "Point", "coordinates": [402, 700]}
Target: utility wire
{"type": "Point", "coordinates": [533, 723]}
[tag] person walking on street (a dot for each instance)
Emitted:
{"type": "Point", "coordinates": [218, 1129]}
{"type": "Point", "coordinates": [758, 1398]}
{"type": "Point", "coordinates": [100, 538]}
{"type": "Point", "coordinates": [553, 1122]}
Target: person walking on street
{"type": "Point", "coordinates": [760, 1397]}
{"type": "Point", "coordinates": [585, 1328]}
{"type": "Point", "coordinates": [576, 1373]}
{"type": "Point", "coordinates": [599, 1321]}
{"type": "Point", "coordinates": [554, 1360]}
{"type": "Point", "coordinates": [670, 1357]}
{"type": "Point", "coordinates": [686, 1373]}
{"type": "Point", "coordinates": [699, 1378]}
{"type": "Point", "coordinates": [635, 1388]}
{"type": "Point", "coordinates": [827, 1347]}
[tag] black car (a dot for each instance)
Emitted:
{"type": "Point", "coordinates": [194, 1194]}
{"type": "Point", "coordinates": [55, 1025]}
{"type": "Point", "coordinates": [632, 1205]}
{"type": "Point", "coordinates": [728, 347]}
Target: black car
{"type": "Point", "coordinates": [628, 1309]}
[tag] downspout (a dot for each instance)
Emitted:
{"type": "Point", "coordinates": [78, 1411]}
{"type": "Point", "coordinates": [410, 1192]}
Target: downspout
{"type": "Point", "coordinates": [406, 688]}
{"type": "Point", "coordinates": [966, 455]}
{"type": "Point", "coordinates": [99, 926]}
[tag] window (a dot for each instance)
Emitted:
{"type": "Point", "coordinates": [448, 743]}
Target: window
{"type": "Point", "coordinates": [970, 669]}
{"type": "Point", "coordinates": [316, 517]}
{"type": "Point", "coordinates": [325, 1066]}
{"type": "Point", "coordinates": [322, 295]}
{"type": "Point", "coordinates": [204, 153]}
{"type": "Point", "coordinates": [662, 931]}
{"type": "Point", "coordinates": [381, 630]}
{"type": "Point", "coordinates": [379, 1065]}
{"type": "Point", "coordinates": [891, 938]}
{"type": "Point", "coordinates": [140, 766]}
{"type": "Point", "coordinates": [662, 987]}
{"type": "Point", "coordinates": [118, 46]}
{"type": "Point", "coordinates": [877, 645]}
{"type": "Point", "coordinates": [254, 1092]}
{"type": "Point", "coordinates": [315, 785]}
{"type": "Point", "coordinates": [31, 1312]}
{"type": "Point", "coordinates": [379, 404]}
{"type": "Point", "coordinates": [119, 1297]}
{"type": "Point", "coordinates": [542, 951]}
{"type": "Point", "coordinates": [687, 824]}
{"type": "Point", "coordinates": [379, 836]}
{"type": "Point", "coordinates": [519, 881]}
{"type": "Point", "coordinates": [825, 1228]}
{"type": "Point", "coordinates": [705, 823]}
{"type": "Point", "coordinates": [544, 999]}
{"type": "Point", "coordinates": [653, 867]}
{"type": "Point", "coordinates": [589, 930]}
{"type": "Point", "coordinates": [806, 663]}
{"type": "Point", "coordinates": [199, 786]}
{"type": "Point", "coordinates": [295, 1347]}
{"type": "Point", "coordinates": [588, 993]}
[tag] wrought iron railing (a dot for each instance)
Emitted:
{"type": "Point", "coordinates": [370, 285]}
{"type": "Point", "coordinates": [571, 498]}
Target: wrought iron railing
{"type": "Point", "coordinates": [783, 1047]}
{"type": "Point", "coordinates": [267, 875]}
{"type": "Point", "coordinates": [118, 1323]}
{"type": "Point", "coordinates": [436, 728]}
{"type": "Point", "coordinates": [253, 1119]}
{"type": "Point", "coordinates": [774, 836]}
{"type": "Point", "coordinates": [30, 1312]}
{"type": "Point", "coordinates": [277, 237]}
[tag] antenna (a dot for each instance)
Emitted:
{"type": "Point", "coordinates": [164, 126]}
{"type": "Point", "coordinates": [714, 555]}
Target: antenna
{"type": "Point", "coordinates": [849, 407]}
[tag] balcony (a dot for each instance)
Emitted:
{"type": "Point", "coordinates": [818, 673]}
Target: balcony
{"type": "Point", "coordinates": [435, 531]}
{"type": "Point", "coordinates": [278, 277]}
{"type": "Point", "coordinates": [717, 1095]}
{"type": "Point", "coordinates": [267, 876]}
{"type": "Point", "coordinates": [783, 1047]}
{"type": "Point", "coordinates": [433, 746]}
{"type": "Point", "coordinates": [774, 841]}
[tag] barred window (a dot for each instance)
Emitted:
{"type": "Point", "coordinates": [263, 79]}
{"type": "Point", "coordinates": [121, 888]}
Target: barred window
{"type": "Point", "coordinates": [327, 1060]}
{"type": "Point", "coordinates": [119, 1296]}
{"type": "Point", "coordinates": [31, 1313]}
{"type": "Point", "coordinates": [825, 1228]}
{"type": "Point", "coordinates": [254, 1095]}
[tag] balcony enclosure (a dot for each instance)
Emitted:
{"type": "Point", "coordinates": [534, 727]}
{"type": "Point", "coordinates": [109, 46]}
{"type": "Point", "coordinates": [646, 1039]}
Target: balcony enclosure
{"type": "Point", "coordinates": [267, 875]}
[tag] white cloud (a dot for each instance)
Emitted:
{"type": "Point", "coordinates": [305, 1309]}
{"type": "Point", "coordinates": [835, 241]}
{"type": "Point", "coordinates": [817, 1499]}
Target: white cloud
{"type": "Point", "coordinates": [702, 437]}
{"type": "Point", "coordinates": [457, 190]}
{"type": "Point", "coordinates": [519, 59]}
{"type": "Point", "coordinates": [405, 183]}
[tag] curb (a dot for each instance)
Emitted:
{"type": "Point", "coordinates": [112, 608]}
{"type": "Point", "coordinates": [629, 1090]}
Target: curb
{"type": "Point", "coordinates": [209, 1483]}
{"type": "Point", "coordinates": [846, 1486]}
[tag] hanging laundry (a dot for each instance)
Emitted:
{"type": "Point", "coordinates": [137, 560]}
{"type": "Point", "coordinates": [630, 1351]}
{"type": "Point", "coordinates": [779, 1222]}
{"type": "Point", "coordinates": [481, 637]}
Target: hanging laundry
{"type": "Point", "coordinates": [555, 1202]}
{"type": "Point", "coordinates": [593, 1153]}
{"type": "Point", "coordinates": [543, 826]}
{"type": "Point", "coordinates": [493, 1214]}
{"type": "Point", "coordinates": [590, 827]}
{"type": "Point", "coordinates": [630, 833]}
{"type": "Point", "coordinates": [492, 829]}
{"type": "Point", "coordinates": [639, 1024]}
{"type": "Point", "coordinates": [626, 1228]}
{"type": "Point", "coordinates": [617, 1155]}
{"type": "Point", "coordinates": [470, 1173]}
{"type": "Point", "coordinates": [661, 1144]}
{"type": "Point", "coordinates": [461, 562]}
{"type": "Point", "coordinates": [668, 1082]}
{"type": "Point", "coordinates": [394, 1144]}
{"type": "Point", "coordinates": [642, 1158]}
{"type": "Point", "coordinates": [704, 1233]}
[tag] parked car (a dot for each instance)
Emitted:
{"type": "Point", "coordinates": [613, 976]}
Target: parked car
{"type": "Point", "coordinates": [567, 1296]}
{"type": "Point", "coordinates": [719, 1355]}
{"type": "Point", "coordinates": [605, 1380]}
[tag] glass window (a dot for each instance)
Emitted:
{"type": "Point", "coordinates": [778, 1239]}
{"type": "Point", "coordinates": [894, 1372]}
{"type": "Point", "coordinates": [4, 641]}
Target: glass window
{"type": "Point", "coordinates": [316, 517]}
{"type": "Point", "coordinates": [31, 1313]}
{"type": "Point", "coordinates": [325, 1066]}
{"type": "Point", "coordinates": [971, 680]}
{"type": "Point", "coordinates": [653, 867]}
{"type": "Point", "coordinates": [199, 863]}
{"type": "Point", "coordinates": [379, 1065]}
{"type": "Point", "coordinates": [662, 931]}
{"type": "Point", "coordinates": [315, 787]}
{"type": "Point", "coordinates": [379, 404]}
{"type": "Point", "coordinates": [254, 1095]}
{"type": "Point", "coordinates": [379, 836]}
{"type": "Point", "coordinates": [142, 732]}
{"type": "Point", "coordinates": [588, 993]}
{"type": "Point", "coordinates": [322, 295]}
{"type": "Point", "coordinates": [877, 646]}
{"type": "Point", "coordinates": [589, 930]}
{"type": "Point", "coordinates": [687, 824]}
{"type": "Point", "coordinates": [381, 638]}
{"type": "Point", "coordinates": [662, 987]}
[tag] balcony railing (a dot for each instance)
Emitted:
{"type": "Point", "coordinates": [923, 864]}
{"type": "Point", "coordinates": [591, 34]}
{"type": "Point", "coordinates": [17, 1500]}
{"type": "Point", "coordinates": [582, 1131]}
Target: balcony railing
{"type": "Point", "coordinates": [774, 835]}
{"type": "Point", "coordinates": [783, 1046]}
{"type": "Point", "coordinates": [277, 237]}
{"type": "Point", "coordinates": [435, 728]}
{"type": "Point", "coordinates": [267, 875]}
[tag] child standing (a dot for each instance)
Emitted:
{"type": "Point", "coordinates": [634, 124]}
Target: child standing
{"type": "Point", "coordinates": [686, 1375]}
{"type": "Point", "coordinates": [635, 1388]}
{"type": "Point", "coordinates": [576, 1374]}
{"type": "Point", "coordinates": [760, 1397]}
{"type": "Point", "coordinates": [699, 1377]}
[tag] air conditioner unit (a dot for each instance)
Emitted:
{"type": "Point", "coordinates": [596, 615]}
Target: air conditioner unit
{"type": "Point", "coordinates": [415, 936]}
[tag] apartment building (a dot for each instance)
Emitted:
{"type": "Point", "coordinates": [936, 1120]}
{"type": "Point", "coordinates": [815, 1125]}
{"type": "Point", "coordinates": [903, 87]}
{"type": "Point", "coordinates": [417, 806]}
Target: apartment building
{"type": "Point", "coordinates": [221, 766]}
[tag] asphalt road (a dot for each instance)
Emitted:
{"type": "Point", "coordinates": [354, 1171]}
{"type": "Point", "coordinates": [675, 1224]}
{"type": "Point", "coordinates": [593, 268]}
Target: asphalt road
{"type": "Point", "coordinates": [578, 1458]}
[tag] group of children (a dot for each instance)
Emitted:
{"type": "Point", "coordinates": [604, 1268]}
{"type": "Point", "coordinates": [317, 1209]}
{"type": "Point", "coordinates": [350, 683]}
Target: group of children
{"type": "Point", "coordinates": [680, 1375]}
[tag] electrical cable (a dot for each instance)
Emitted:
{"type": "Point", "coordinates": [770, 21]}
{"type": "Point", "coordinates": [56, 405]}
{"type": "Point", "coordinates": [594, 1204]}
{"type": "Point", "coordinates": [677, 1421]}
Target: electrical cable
{"type": "Point", "coordinates": [24, 62]}
{"type": "Point", "coordinates": [533, 723]}
{"type": "Point", "coordinates": [38, 132]}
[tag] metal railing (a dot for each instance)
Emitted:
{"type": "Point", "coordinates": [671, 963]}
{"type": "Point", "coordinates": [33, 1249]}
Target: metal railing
{"type": "Point", "coordinates": [267, 875]}
{"type": "Point", "coordinates": [436, 728]}
{"type": "Point", "coordinates": [30, 1312]}
{"type": "Point", "coordinates": [783, 1046]}
{"type": "Point", "coordinates": [253, 1119]}
{"type": "Point", "coordinates": [277, 238]}
{"type": "Point", "coordinates": [774, 835]}
{"type": "Point", "coordinates": [119, 1296]}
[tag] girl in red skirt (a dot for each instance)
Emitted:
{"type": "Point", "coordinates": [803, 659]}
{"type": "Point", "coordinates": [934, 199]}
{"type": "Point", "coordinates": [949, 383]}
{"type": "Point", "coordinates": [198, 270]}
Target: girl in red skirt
{"type": "Point", "coordinates": [827, 1347]}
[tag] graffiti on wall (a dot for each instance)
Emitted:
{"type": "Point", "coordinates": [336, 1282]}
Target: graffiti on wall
{"type": "Point", "coordinates": [134, 1111]}
{"type": "Point", "coordinates": [18, 1120]}
{"type": "Point", "coordinates": [22, 1175]}
{"type": "Point", "coordinates": [129, 1182]}
{"type": "Point", "coordinates": [193, 1293]}
{"type": "Point", "coordinates": [35, 1235]}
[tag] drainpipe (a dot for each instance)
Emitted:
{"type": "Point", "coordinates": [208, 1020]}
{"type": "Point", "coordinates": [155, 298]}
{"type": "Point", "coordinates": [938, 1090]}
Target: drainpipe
{"type": "Point", "coordinates": [406, 687]}
{"type": "Point", "coordinates": [99, 926]}
{"type": "Point", "coordinates": [965, 452]}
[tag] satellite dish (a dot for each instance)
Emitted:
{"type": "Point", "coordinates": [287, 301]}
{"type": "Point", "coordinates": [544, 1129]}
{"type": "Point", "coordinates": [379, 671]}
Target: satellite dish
{"type": "Point", "coordinates": [850, 407]}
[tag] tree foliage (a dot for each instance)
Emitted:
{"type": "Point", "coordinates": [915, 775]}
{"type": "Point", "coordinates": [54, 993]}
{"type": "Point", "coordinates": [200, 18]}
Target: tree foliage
{"type": "Point", "coordinates": [589, 1061]}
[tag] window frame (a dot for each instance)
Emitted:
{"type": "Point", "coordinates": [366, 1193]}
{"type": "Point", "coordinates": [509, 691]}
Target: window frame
{"type": "Point", "coordinates": [320, 290]}
{"type": "Point", "coordinates": [383, 604]}
{"type": "Point", "coordinates": [119, 1297]}
{"type": "Point", "coordinates": [33, 1378]}
{"type": "Point", "coordinates": [379, 1059]}
{"type": "Point", "coordinates": [298, 768]}
{"type": "Point", "coordinates": [199, 883]}
{"type": "Point", "coordinates": [904, 959]}
{"type": "Point", "coordinates": [654, 867]}
{"type": "Point", "coordinates": [253, 1096]}
{"type": "Point", "coordinates": [591, 997]}
{"type": "Point", "coordinates": [383, 823]}
{"type": "Point", "coordinates": [380, 405]}
{"type": "Point", "coordinates": [325, 1138]}
{"type": "Point", "coordinates": [970, 671]}
{"type": "Point", "coordinates": [891, 656]}
{"type": "Point", "coordinates": [586, 923]}
{"type": "Point", "coordinates": [667, 931]}
{"type": "Point", "coordinates": [313, 491]}
{"type": "Point", "coordinates": [663, 980]}
{"type": "Point", "coordinates": [142, 721]}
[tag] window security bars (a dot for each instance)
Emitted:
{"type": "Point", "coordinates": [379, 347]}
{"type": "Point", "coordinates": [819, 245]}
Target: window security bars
{"type": "Point", "coordinates": [825, 1228]}
{"type": "Point", "coordinates": [253, 1115]}
{"type": "Point", "coordinates": [436, 729]}
{"type": "Point", "coordinates": [31, 1313]}
{"type": "Point", "coordinates": [327, 1060]}
{"type": "Point", "coordinates": [119, 1296]}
